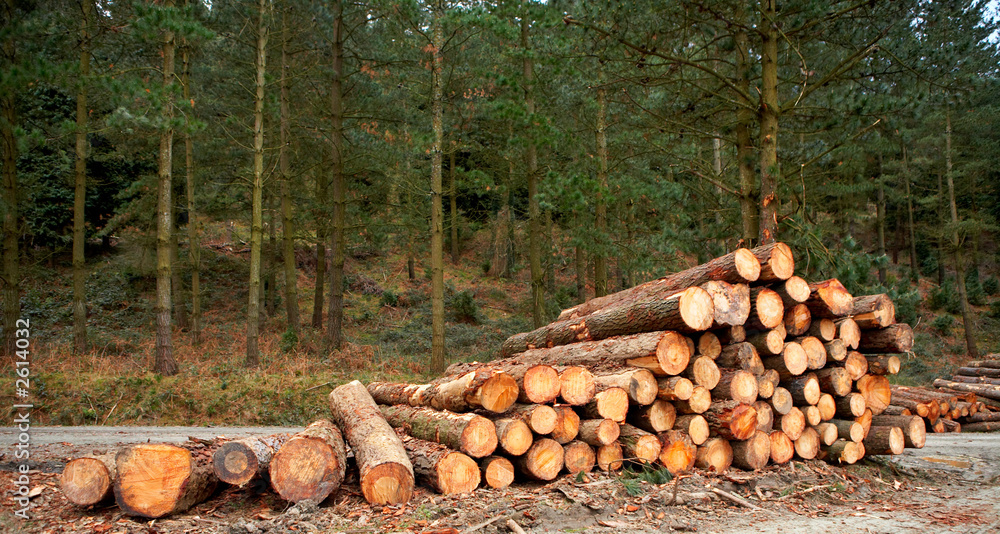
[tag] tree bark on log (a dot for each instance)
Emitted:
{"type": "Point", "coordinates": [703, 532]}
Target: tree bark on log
{"type": "Point", "coordinates": [657, 417]}
{"type": "Point", "coordinates": [543, 461]}
{"type": "Point", "coordinates": [716, 455]}
{"type": "Point", "coordinates": [695, 426]}
{"type": "Point", "coordinates": [578, 457]}
{"type": "Point", "coordinates": [732, 420]}
{"type": "Point", "coordinates": [469, 433]}
{"type": "Point", "coordinates": [740, 356]}
{"type": "Point", "coordinates": [835, 381]}
{"type": "Point", "coordinates": [753, 453]}
{"type": "Point", "coordinates": [677, 451]}
{"type": "Point", "coordinates": [444, 470]}
{"type": "Point", "coordinates": [873, 311]}
{"type": "Point", "coordinates": [849, 429]}
{"type": "Point", "coordinates": [768, 342]}
{"type": "Point", "coordinates": [793, 291]}
{"type": "Point", "coordinates": [703, 371]}
{"type": "Point", "coordinates": [843, 452]}
{"type": "Point", "coordinates": [827, 434]}
{"type": "Point", "coordinates": [836, 350]}
{"type": "Point", "coordinates": [776, 262]}
{"type": "Point", "coordinates": [883, 440]}
{"type": "Point", "coordinates": [497, 471]}
{"type": "Point", "coordinates": [386, 474]}
{"type": "Point", "coordinates": [829, 299]}
{"type": "Point", "coordinates": [981, 427]}
{"type": "Point", "coordinates": [638, 445]}
{"type": "Point", "coordinates": [896, 338]}
{"type": "Point", "coordinates": [883, 364]}
{"type": "Point", "coordinates": [612, 403]}
{"type": "Point", "coordinates": [989, 364]}
{"type": "Point", "coordinates": [913, 427]}
{"type": "Point", "coordinates": [89, 480]}
{"type": "Point", "coordinates": [804, 389]}
{"type": "Point", "coordinates": [640, 384]}
{"type": "Point", "coordinates": [976, 380]}
{"type": "Point", "coordinates": [731, 303]}
{"type": "Point", "coordinates": [483, 388]}
{"type": "Point", "coordinates": [797, 320]}
{"type": "Point", "coordinates": [240, 461]}
{"type": "Point", "coordinates": [310, 465]}
{"type": "Point", "coordinates": [674, 388]}
{"type": "Point", "coordinates": [983, 390]}
{"type": "Point", "coordinates": [986, 372]}
{"type": "Point", "coordinates": [598, 432]}
{"type": "Point", "coordinates": [537, 383]}
{"type": "Point", "coordinates": [156, 480]}
{"type": "Point", "coordinates": [782, 448]}
{"type": "Point", "coordinates": [855, 363]}
{"type": "Point", "coordinates": [793, 360]}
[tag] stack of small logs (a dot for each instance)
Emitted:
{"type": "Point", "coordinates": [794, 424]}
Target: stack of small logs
{"type": "Point", "coordinates": [969, 402]}
{"type": "Point", "coordinates": [735, 362]}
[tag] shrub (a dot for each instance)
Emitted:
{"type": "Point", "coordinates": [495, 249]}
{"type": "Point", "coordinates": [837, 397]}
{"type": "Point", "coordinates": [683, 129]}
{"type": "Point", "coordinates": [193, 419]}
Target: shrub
{"type": "Point", "coordinates": [974, 289]}
{"type": "Point", "coordinates": [991, 286]}
{"type": "Point", "coordinates": [943, 324]}
{"type": "Point", "coordinates": [389, 298]}
{"type": "Point", "coordinates": [995, 309]}
{"type": "Point", "coordinates": [945, 297]}
{"type": "Point", "coordinates": [906, 301]}
{"type": "Point", "coordinates": [463, 308]}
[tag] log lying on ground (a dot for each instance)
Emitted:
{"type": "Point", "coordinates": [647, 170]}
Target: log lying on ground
{"type": "Point", "coordinates": [89, 480]}
{"type": "Point", "coordinates": [876, 390]}
{"type": "Point", "coordinates": [827, 433]}
{"type": "Point", "coordinates": [715, 455]}
{"type": "Point", "coordinates": [983, 390]}
{"type": "Point", "coordinates": [976, 380]}
{"type": "Point", "coordinates": [737, 267]}
{"type": "Point", "coordinates": [612, 403]}
{"type": "Point", "coordinates": [849, 429]}
{"type": "Point", "coordinates": [703, 371]}
{"type": "Point", "coordinates": [497, 471]}
{"type": "Point", "coordinates": [873, 311]}
{"type": "Point", "coordinates": [793, 291]}
{"type": "Point", "coordinates": [782, 448]}
{"type": "Point", "coordinates": [848, 332]}
{"type": "Point", "coordinates": [578, 457]}
{"type": "Point", "coordinates": [537, 383]}
{"type": "Point", "coordinates": [740, 356]}
{"type": "Point", "coordinates": [791, 423]}
{"type": "Point", "coordinates": [753, 453]}
{"type": "Point", "coordinates": [896, 338]}
{"type": "Point", "coordinates": [674, 388]}
{"type": "Point", "coordinates": [657, 417]}
{"type": "Point", "coordinates": [980, 417]}
{"type": "Point", "coordinates": [598, 432]}
{"type": "Point", "coordinates": [989, 364]}
{"type": "Point", "coordinates": [386, 474]}
{"type": "Point", "coordinates": [883, 364]}
{"type": "Point", "coordinates": [483, 388]}
{"type": "Point", "coordinates": [240, 461]}
{"type": "Point", "coordinates": [731, 302]}
{"type": "Point", "coordinates": [808, 445]}
{"type": "Point", "coordinates": [640, 384]}
{"type": "Point", "coordinates": [469, 433]}
{"type": "Point", "coordinates": [677, 451]}
{"type": "Point", "coordinates": [732, 420]}
{"type": "Point", "coordinates": [987, 372]}
{"type": "Point", "coordinates": [541, 418]}
{"type": "Point", "coordinates": [767, 311]}
{"type": "Point", "coordinates": [513, 434]}
{"type": "Point", "coordinates": [576, 385]}
{"type": "Point", "coordinates": [638, 445]}
{"type": "Point", "coordinates": [913, 427]}
{"type": "Point", "coordinates": [823, 328]}
{"type": "Point", "coordinates": [797, 320]}
{"type": "Point", "coordinates": [981, 427]}
{"type": "Point", "coordinates": [446, 471]}
{"type": "Point", "coordinates": [843, 452]}
{"type": "Point", "coordinates": [884, 440]}
{"type": "Point", "coordinates": [156, 480]}
{"type": "Point", "coordinates": [829, 299]}
{"type": "Point", "coordinates": [311, 464]}
{"type": "Point", "coordinates": [695, 426]}
{"type": "Point", "coordinates": [543, 461]}
{"type": "Point", "coordinates": [776, 262]}
{"type": "Point", "coordinates": [609, 457]}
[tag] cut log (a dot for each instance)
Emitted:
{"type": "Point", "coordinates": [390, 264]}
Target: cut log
{"type": "Point", "coordinates": [812, 415]}
{"type": "Point", "coordinates": [715, 455]}
{"type": "Point", "coordinates": [695, 426]}
{"type": "Point", "coordinates": [157, 480]}
{"type": "Point", "coordinates": [807, 446]}
{"type": "Point", "coordinates": [883, 364]}
{"type": "Point", "coordinates": [849, 429]}
{"type": "Point", "coordinates": [638, 445]}
{"type": "Point", "coordinates": [731, 302]}
{"type": "Point", "coordinates": [737, 385]}
{"type": "Point", "coordinates": [884, 440]}
{"type": "Point", "coordinates": [765, 416]}
{"type": "Point", "coordinates": [677, 451]}
{"type": "Point", "coordinates": [855, 363]}
{"type": "Point", "coordinates": [657, 417]}
{"type": "Point", "coordinates": [815, 352]}
{"type": "Point", "coordinates": [836, 350]}
{"type": "Point", "coordinates": [768, 342]}
{"type": "Point", "coordinates": [766, 309]}
{"type": "Point", "coordinates": [848, 332]}
{"type": "Point", "coordinates": [866, 420]}
{"type": "Point", "coordinates": [913, 427]}
{"type": "Point", "coordinates": [740, 356]}
{"type": "Point", "coordinates": [567, 425]}
{"type": "Point", "coordinates": [733, 334]}
{"type": "Point", "coordinates": [543, 461]}
{"type": "Point", "coordinates": [386, 474]}
{"type": "Point", "coordinates": [576, 385]}
{"type": "Point", "coordinates": [766, 382]}
{"type": "Point", "coordinates": [793, 291]}
{"type": "Point", "coordinates": [987, 372]}
{"type": "Point", "coordinates": [835, 381]}
{"type": "Point", "coordinates": [513, 435]}
{"type": "Point", "coordinates": [950, 425]}
{"type": "Point", "coordinates": [701, 399]}
{"type": "Point", "coordinates": [980, 417]}
{"type": "Point", "coordinates": [612, 403]}
{"type": "Point", "coordinates": [497, 471]}
{"type": "Point", "coordinates": [538, 385]}
{"type": "Point", "coordinates": [829, 299]}
{"type": "Point", "coordinates": [541, 418]}
{"type": "Point", "coordinates": [990, 426]}
{"type": "Point", "coordinates": [674, 388]}
{"type": "Point", "coordinates": [469, 433]}
{"type": "Point", "coordinates": [736, 267]}
{"type": "Point", "coordinates": [896, 338]}
{"type": "Point", "coordinates": [876, 390]}
{"type": "Point", "coordinates": [731, 420]}
{"type": "Point", "coordinates": [703, 371]}
{"type": "Point", "coordinates": [782, 448]}
{"type": "Point", "coordinates": [989, 364]}
{"type": "Point", "coordinates": [792, 361]}
{"type": "Point", "coordinates": [843, 452]}
{"type": "Point", "coordinates": [873, 311]}
{"type": "Point", "coordinates": [240, 461]}
{"type": "Point", "coordinates": [753, 453]}
{"type": "Point", "coordinates": [892, 409]}
{"type": "Point", "coordinates": [827, 433]}
{"type": "Point", "coordinates": [484, 388]}
{"type": "Point", "coordinates": [797, 320]}
{"type": "Point", "coordinates": [983, 390]}
{"type": "Point", "coordinates": [89, 480]}
{"type": "Point", "coordinates": [823, 328]}
{"type": "Point", "coordinates": [445, 471]}
{"type": "Point", "coordinates": [827, 406]}
{"type": "Point", "coordinates": [776, 262]}
{"type": "Point", "coordinates": [609, 457]}
{"type": "Point", "coordinates": [976, 380]}
{"type": "Point", "coordinates": [791, 423]}
{"type": "Point", "coordinates": [709, 345]}
{"type": "Point", "coordinates": [640, 384]}
{"type": "Point", "coordinates": [311, 464]}
{"type": "Point", "coordinates": [804, 389]}
{"type": "Point", "coordinates": [598, 432]}
{"type": "Point", "coordinates": [578, 457]}
{"type": "Point", "coordinates": [781, 400]}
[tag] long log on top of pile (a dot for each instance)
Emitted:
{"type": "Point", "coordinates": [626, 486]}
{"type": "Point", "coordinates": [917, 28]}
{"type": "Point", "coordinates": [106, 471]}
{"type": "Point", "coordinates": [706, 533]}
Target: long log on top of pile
{"type": "Point", "coordinates": [986, 372]}
{"type": "Point", "coordinates": [311, 464]}
{"type": "Point", "coordinates": [483, 388]}
{"type": "Point", "coordinates": [691, 310]}
{"type": "Point", "coordinates": [469, 433]}
{"type": "Point", "coordinates": [982, 390]}
{"type": "Point", "coordinates": [89, 480]}
{"type": "Point", "coordinates": [156, 480]}
{"type": "Point", "coordinates": [386, 474]}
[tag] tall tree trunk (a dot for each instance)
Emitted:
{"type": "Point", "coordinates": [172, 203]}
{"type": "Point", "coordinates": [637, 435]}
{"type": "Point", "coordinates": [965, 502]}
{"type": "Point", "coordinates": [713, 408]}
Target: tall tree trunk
{"type": "Point", "coordinates": [967, 319]}
{"type": "Point", "coordinates": [914, 267]}
{"type": "Point", "coordinates": [164, 362]}
{"type": "Point", "coordinates": [273, 257]}
{"type": "Point", "coordinates": [284, 164]}
{"type": "Point", "coordinates": [581, 274]}
{"type": "Point", "coordinates": [176, 285]}
{"type": "Point", "coordinates": [600, 207]}
{"type": "Point", "coordinates": [880, 222]}
{"type": "Point", "coordinates": [437, 228]}
{"type": "Point", "coordinates": [534, 210]}
{"type": "Point", "coordinates": [941, 235]}
{"type": "Point", "coordinates": [11, 278]}
{"type": "Point", "coordinates": [768, 114]}
{"type": "Point", "coordinates": [453, 206]}
{"type": "Point", "coordinates": [80, 189]}
{"type": "Point", "coordinates": [749, 215]}
{"type": "Point", "coordinates": [322, 187]}
{"type": "Point", "coordinates": [193, 225]}
{"type": "Point", "coordinates": [257, 192]}
{"type": "Point", "coordinates": [335, 317]}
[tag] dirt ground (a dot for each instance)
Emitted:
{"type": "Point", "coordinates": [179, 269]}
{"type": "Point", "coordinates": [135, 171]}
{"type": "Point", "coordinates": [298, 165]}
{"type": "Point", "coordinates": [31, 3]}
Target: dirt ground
{"type": "Point", "coordinates": [952, 485]}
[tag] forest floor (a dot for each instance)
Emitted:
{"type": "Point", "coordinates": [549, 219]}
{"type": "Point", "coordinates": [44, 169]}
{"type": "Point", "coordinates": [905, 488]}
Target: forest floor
{"type": "Point", "coordinates": [951, 485]}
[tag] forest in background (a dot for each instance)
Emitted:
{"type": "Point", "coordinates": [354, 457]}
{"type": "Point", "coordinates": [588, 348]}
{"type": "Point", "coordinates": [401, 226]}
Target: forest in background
{"type": "Point", "coordinates": [170, 168]}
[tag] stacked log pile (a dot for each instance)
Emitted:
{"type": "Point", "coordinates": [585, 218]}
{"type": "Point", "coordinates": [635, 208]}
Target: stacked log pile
{"type": "Point", "coordinates": [735, 362]}
{"type": "Point", "coordinates": [968, 402]}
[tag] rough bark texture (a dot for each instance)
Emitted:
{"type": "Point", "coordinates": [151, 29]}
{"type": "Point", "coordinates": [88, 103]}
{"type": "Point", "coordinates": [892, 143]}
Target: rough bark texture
{"type": "Point", "coordinates": [445, 471]}
{"type": "Point", "coordinates": [873, 311]}
{"type": "Point", "coordinates": [896, 338]}
{"type": "Point", "coordinates": [386, 473]}
{"type": "Point", "coordinates": [883, 364]}
{"type": "Point", "coordinates": [157, 480]}
{"type": "Point", "coordinates": [741, 356]}
{"type": "Point", "coordinates": [731, 302]}
{"type": "Point", "coordinates": [913, 427]}
{"type": "Point", "coordinates": [80, 187]}
{"type": "Point", "coordinates": [843, 452]}
{"type": "Point", "coordinates": [89, 480]}
{"type": "Point", "coordinates": [598, 432]}
{"type": "Point", "coordinates": [310, 465]}
{"type": "Point", "coordinates": [252, 358]}
{"type": "Point", "coordinates": [851, 406]}
{"type": "Point", "coordinates": [834, 380]}
{"type": "Point", "coordinates": [485, 388]}
{"type": "Point", "coordinates": [884, 440]}
{"type": "Point", "coordinates": [657, 417]}
{"type": "Point", "coordinates": [669, 349]}
{"type": "Point", "coordinates": [469, 433]}
{"type": "Point", "coordinates": [836, 350]}
{"type": "Point", "coordinates": [983, 390]}
{"type": "Point", "coordinates": [640, 384]}
{"type": "Point", "coordinates": [776, 262]}
{"type": "Point", "coordinates": [805, 389]}
{"type": "Point", "coordinates": [752, 453]}
{"type": "Point", "coordinates": [768, 342]}
{"type": "Point", "coordinates": [695, 425]}
{"type": "Point", "coordinates": [240, 461]}
{"type": "Point", "coordinates": [638, 445]}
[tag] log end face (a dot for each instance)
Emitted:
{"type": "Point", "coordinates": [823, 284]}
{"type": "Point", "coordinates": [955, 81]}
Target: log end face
{"type": "Point", "coordinates": [388, 483]}
{"type": "Point", "coordinates": [479, 438]}
{"type": "Point", "coordinates": [234, 463]}
{"type": "Point", "coordinates": [305, 469]}
{"type": "Point", "coordinates": [576, 386]}
{"type": "Point", "coordinates": [673, 353]}
{"type": "Point", "coordinates": [151, 479]}
{"type": "Point", "coordinates": [609, 457]}
{"type": "Point", "coordinates": [460, 474]}
{"type": "Point", "coordinates": [85, 481]}
{"type": "Point", "coordinates": [642, 387]}
{"type": "Point", "coordinates": [781, 262]}
{"type": "Point", "coordinates": [782, 448]}
{"type": "Point", "coordinates": [797, 288]}
{"type": "Point", "coordinates": [543, 419]}
{"type": "Point", "coordinates": [541, 384]}
{"type": "Point", "coordinates": [697, 309]}
{"type": "Point", "coordinates": [545, 459]}
{"type": "Point", "coordinates": [795, 357]}
{"type": "Point", "coordinates": [747, 264]}
{"type": "Point", "coordinates": [498, 472]}
{"type": "Point", "coordinates": [498, 393]}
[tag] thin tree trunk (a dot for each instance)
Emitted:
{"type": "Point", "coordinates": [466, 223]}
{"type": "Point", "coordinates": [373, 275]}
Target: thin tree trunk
{"type": "Point", "coordinates": [257, 217]}
{"type": "Point", "coordinates": [176, 285]}
{"type": "Point", "coordinates": [194, 241]}
{"type": "Point", "coordinates": [437, 362]}
{"type": "Point", "coordinates": [768, 114]}
{"type": "Point", "coordinates": [581, 274]}
{"type": "Point", "coordinates": [940, 236]}
{"type": "Point", "coordinates": [749, 216]}
{"type": "Point", "coordinates": [914, 267]}
{"type": "Point", "coordinates": [453, 207]}
{"type": "Point", "coordinates": [80, 189]}
{"type": "Point", "coordinates": [956, 243]}
{"type": "Point", "coordinates": [273, 257]}
{"type": "Point", "coordinates": [11, 278]}
{"type": "Point", "coordinates": [880, 221]}
{"type": "Point", "coordinates": [534, 210]}
{"type": "Point", "coordinates": [335, 318]}
{"type": "Point", "coordinates": [164, 362]}
{"type": "Point", "coordinates": [600, 207]}
{"type": "Point", "coordinates": [284, 167]}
